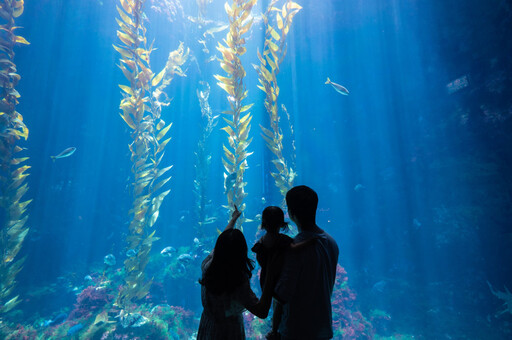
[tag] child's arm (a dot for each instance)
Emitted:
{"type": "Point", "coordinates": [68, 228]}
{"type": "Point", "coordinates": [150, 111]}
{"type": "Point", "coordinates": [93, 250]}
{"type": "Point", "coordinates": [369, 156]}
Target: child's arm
{"type": "Point", "coordinates": [236, 214]}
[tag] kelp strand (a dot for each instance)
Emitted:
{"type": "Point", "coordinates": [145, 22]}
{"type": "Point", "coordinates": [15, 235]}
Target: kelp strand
{"type": "Point", "coordinates": [12, 171]}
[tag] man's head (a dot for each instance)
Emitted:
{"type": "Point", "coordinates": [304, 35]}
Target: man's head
{"type": "Point", "coordinates": [302, 202]}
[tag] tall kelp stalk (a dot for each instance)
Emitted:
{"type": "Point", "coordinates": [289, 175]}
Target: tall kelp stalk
{"type": "Point", "coordinates": [12, 172]}
{"type": "Point", "coordinates": [141, 109]}
{"type": "Point", "coordinates": [203, 160]}
{"type": "Point", "coordinates": [274, 51]}
{"type": "Point", "coordinates": [238, 126]}
{"type": "Point", "coordinates": [201, 5]}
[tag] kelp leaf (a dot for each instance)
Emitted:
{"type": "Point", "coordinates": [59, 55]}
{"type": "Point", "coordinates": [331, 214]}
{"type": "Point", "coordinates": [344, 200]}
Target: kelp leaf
{"type": "Point", "coordinates": [153, 218]}
{"type": "Point", "coordinates": [160, 184]}
{"type": "Point", "coordinates": [162, 171]}
{"type": "Point", "coordinates": [274, 33]}
{"type": "Point", "coordinates": [125, 17]}
{"type": "Point", "coordinates": [128, 120]}
{"type": "Point", "coordinates": [229, 154]}
{"type": "Point", "coordinates": [162, 145]}
{"type": "Point", "coordinates": [126, 89]}
{"type": "Point", "coordinates": [228, 88]}
{"type": "Point", "coordinates": [293, 5]}
{"type": "Point", "coordinates": [229, 130]}
{"type": "Point", "coordinates": [162, 133]}
{"type": "Point", "coordinates": [156, 79]}
{"type": "Point", "coordinates": [21, 40]}
{"type": "Point", "coordinates": [246, 107]}
{"type": "Point", "coordinates": [266, 131]}
{"type": "Point", "coordinates": [125, 38]}
{"type": "Point", "coordinates": [279, 21]}
{"type": "Point", "coordinates": [126, 7]}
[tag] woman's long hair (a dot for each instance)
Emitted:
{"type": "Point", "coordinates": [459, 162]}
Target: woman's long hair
{"type": "Point", "coordinates": [230, 265]}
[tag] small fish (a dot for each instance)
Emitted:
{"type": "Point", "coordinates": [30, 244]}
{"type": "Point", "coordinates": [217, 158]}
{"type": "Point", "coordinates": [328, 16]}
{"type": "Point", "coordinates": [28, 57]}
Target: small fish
{"type": "Point", "coordinates": [66, 153]}
{"type": "Point", "coordinates": [213, 30]}
{"type": "Point", "coordinates": [76, 328]}
{"type": "Point", "coordinates": [210, 220]}
{"type": "Point", "coordinates": [185, 258]}
{"type": "Point", "coordinates": [203, 43]}
{"type": "Point", "coordinates": [340, 89]}
{"type": "Point", "coordinates": [229, 182]}
{"type": "Point", "coordinates": [110, 260]}
{"type": "Point", "coordinates": [45, 323]}
{"type": "Point", "coordinates": [458, 84]}
{"type": "Point", "coordinates": [131, 253]}
{"type": "Point", "coordinates": [58, 319]}
{"type": "Point", "coordinates": [379, 286]}
{"type": "Point", "coordinates": [167, 251]}
{"type": "Point", "coordinates": [359, 187]}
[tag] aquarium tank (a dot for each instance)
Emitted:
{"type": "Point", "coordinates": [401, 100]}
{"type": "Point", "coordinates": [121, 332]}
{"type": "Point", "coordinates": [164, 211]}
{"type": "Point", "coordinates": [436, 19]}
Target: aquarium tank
{"type": "Point", "coordinates": [130, 129]}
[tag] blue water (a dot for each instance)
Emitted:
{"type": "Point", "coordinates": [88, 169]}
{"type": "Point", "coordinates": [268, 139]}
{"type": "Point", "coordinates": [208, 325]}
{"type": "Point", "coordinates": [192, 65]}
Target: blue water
{"type": "Point", "coordinates": [413, 178]}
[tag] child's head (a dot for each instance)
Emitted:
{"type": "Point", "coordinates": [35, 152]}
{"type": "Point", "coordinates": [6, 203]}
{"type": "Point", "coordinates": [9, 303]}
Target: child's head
{"type": "Point", "coordinates": [272, 219]}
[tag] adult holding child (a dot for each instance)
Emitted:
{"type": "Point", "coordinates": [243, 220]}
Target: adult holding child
{"type": "Point", "coordinates": [306, 281]}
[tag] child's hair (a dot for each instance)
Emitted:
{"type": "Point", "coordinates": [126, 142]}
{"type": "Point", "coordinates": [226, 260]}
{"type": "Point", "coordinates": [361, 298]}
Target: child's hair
{"type": "Point", "coordinates": [272, 219]}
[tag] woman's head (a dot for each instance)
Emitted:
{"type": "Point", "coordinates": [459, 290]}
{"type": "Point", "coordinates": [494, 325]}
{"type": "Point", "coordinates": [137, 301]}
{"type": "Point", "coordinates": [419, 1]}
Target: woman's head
{"type": "Point", "coordinates": [272, 219]}
{"type": "Point", "coordinates": [230, 247]}
{"type": "Point", "coordinates": [230, 265]}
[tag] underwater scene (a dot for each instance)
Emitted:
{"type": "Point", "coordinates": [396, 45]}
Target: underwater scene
{"type": "Point", "coordinates": [129, 130]}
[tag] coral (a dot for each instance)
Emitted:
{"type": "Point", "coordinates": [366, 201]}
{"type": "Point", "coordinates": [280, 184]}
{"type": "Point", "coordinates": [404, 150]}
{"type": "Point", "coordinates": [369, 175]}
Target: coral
{"type": "Point", "coordinates": [90, 300]}
{"type": "Point", "coordinates": [348, 322]}
{"type": "Point", "coordinates": [256, 328]}
{"type": "Point", "coordinates": [20, 333]}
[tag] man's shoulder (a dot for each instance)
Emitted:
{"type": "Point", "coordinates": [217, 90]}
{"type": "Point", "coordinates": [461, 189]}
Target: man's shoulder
{"type": "Point", "coordinates": [329, 243]}
{"type": "Point", "coordinates": [329, 237]}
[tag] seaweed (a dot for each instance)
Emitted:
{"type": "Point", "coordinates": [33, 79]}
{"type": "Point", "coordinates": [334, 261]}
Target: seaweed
{"type": "Point", "coordinates": [274, 51]}
{"type": "Point", "coordinates": [238, 125]}
{"type": "Point", "coordinates": [201, 5]}
{"type": "Point", "coordinates": [141, 109]}
{"type": "Point", "coordinates": [203, 159]}
{"type": "Point", "coordinates": [12, 173]}
{"type": "Point", "coordinates": [172, 9]}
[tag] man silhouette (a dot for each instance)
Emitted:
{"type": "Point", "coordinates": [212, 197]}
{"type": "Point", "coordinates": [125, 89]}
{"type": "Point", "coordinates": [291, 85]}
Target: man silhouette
{"type": "Point", "coordinates": [307, 279]}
